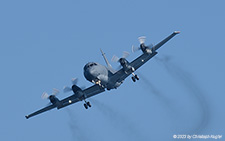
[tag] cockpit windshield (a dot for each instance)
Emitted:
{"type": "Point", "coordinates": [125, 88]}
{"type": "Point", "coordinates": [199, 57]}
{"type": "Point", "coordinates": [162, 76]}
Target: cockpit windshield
{"type": "Point", "coordinates": [93, 64]}
{"type": "Point", "coordinates": [89, 65]}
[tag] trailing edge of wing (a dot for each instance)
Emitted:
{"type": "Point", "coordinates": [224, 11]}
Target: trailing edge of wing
{"type": "Point", "coordinates": [165, 40]}
{"type": "Point", "coordinates": [41, 111]}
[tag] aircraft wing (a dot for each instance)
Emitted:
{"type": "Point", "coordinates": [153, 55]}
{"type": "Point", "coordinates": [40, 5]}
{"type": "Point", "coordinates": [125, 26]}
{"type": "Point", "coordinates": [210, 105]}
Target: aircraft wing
{"type": "Point", "coordinates": [120, 75]}
{"type": "Point", "coordinates": [166, 40]}
{"type": "Point", "coordinates": [145, 57]}
{"type": "Point", "coordinates": [88, 92]}
{"type": "Point", "coordinates": [93, 90]}
{"type": "Point", "coordinates": [41, 111]}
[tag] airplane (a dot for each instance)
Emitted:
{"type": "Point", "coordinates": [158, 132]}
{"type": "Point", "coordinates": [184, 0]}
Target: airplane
{"type": "Point", "coordinates": [103, 77]}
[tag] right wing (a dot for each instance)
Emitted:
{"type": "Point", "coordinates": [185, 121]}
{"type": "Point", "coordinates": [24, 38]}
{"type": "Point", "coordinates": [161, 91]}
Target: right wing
{"type": "Point", "coordinates": [41, 111]}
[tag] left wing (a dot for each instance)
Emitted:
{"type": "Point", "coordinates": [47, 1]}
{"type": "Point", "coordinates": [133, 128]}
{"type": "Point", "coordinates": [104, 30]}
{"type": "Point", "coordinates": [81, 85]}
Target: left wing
{"type": "Point", "coordinates": [145, 57]}
{"type": "Point", "coordinates": [120, 75]}
{"type": "Point", "coordinates": [91, 91]}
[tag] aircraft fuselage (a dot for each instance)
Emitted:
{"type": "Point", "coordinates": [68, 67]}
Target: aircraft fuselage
{"type": "Point", "coordinates": [99, 74]}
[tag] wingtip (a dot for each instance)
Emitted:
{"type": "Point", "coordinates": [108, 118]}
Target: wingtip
{"type": "Point", "coordinates": [27, 117]}
{"type": "Point", "coordinates": [176, 32]}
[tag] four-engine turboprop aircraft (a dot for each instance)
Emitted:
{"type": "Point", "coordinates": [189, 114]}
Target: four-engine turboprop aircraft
{"type": "Point", "coordinates": [104, 77]}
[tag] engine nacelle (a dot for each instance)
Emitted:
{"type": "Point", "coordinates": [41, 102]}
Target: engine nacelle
{"type": "Point", "coordinates": [77, 90]}
{"type": "Point", "coordinates": [55, 101]}
{"type": "Point", "coordinates": [146, 49]}
{"type": "Point", "coordinates": [126, 65]}
{"type": "Point", "coordinates": [123, 62]}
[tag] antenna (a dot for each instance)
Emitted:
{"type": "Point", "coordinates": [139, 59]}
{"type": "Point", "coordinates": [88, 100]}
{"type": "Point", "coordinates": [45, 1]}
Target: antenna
{"type": "Point", "coordinates": [106, 60]}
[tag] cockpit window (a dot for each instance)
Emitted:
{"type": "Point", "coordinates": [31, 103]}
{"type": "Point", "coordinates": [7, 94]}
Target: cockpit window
{"type": "Point", "coordinates": [89, 65]}
{"type": "Point", "coordinates": [92, 64]}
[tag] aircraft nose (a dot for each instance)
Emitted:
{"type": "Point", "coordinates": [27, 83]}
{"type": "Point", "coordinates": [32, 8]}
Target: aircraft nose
{"type": "Point", "coordinates": [93, 72]}
{"type": "Point", "coordinates": [90, 74]}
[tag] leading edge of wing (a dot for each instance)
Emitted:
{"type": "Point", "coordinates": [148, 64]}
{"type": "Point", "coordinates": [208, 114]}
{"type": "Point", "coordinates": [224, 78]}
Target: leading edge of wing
{"type": "Point", "coordinates": [93, 90]}
{"type": "Point", "coordinates": [120, 75]}
{"type": "Point", "coordinates": [41, 111]}
{"type": "Point", "coordinates": [88, 92]}
{"type": "Point", "coordinates": [166, 40]}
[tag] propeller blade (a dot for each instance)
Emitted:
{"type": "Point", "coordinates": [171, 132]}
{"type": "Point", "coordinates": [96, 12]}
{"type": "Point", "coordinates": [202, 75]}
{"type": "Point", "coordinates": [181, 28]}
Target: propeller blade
{"type": "Point", "coordinates": [134, 49]}
{"type": "Point", "coordinates": [55, 91]}
{"type": "Point", "coordinates": [125, 54]}
{"type": "Point", "coordinates": [67, 89]}
{"type": "Point", "coordinates": [115, 58]}
{"type": "Point", "coordinates": [142, 39]}
{"type": "Point", "coordinates": [44, 95]}
{"type": "Point", "coordinates": [74, 81]}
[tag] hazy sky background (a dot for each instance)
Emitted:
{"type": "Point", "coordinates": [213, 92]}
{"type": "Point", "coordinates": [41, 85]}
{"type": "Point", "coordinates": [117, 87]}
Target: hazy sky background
{"type": "Point", "coordinates": [43, 44]}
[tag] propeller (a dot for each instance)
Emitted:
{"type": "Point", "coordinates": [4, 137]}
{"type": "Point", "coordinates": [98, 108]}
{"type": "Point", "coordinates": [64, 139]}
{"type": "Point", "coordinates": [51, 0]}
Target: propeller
{"type": "Point", "coordinates": [74, 81]}
{"type": "Point", "coordinates": [45, 95]}
{"type": "Point", "coordinates": [67, 89]}
{"type": "Point", "coordinates": [135, 49]}
{"type": "Point", "coordinates": [141, 41]}
{"type": "Point", "coordinates": [116, 58]}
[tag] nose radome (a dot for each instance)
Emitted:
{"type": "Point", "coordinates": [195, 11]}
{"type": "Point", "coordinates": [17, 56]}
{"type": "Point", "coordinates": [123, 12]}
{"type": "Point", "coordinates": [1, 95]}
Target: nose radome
{"type": "Point", "coordinates": [90, 71]}
{"type": "Point", "coordinates": [93, 72]}
{"type": "Point", "coordinates": [89, 74]}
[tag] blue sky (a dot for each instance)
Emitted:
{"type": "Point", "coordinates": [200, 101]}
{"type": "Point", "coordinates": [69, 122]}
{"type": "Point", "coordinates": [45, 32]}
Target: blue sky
{"type": "Point", "coordinates": [43, 44]}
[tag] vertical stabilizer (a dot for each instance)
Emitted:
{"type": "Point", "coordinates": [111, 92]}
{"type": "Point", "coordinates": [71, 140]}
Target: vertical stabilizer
{"type": "Point", "coordinates": [106, 60]}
